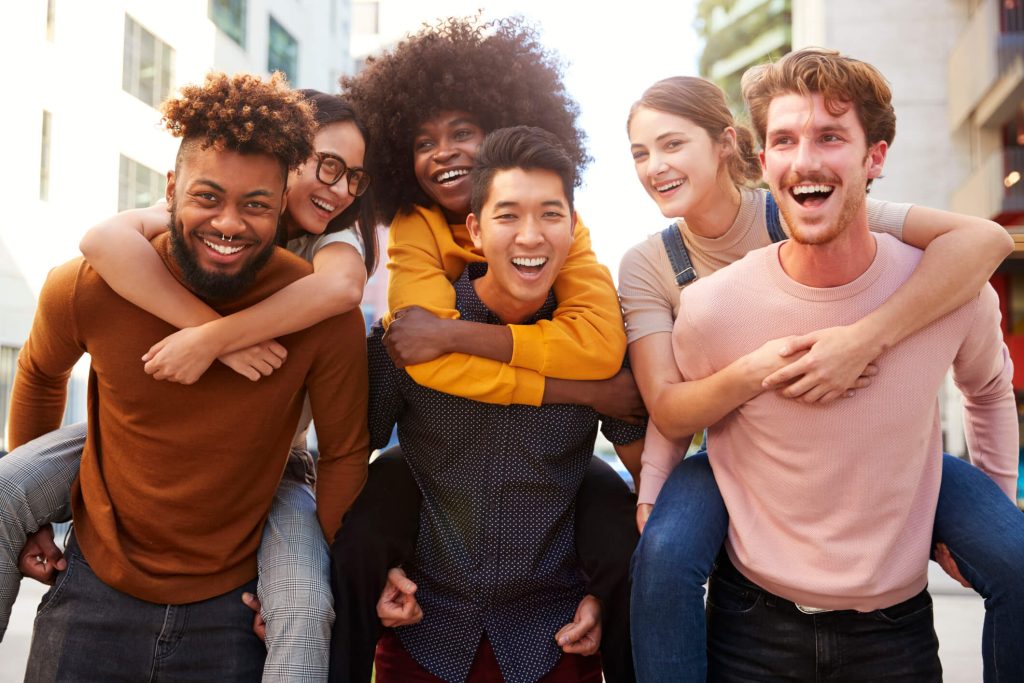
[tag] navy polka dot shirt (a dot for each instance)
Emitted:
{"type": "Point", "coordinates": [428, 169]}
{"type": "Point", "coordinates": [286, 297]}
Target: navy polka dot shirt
{"type": "Point", "coordinates": [495, 552]}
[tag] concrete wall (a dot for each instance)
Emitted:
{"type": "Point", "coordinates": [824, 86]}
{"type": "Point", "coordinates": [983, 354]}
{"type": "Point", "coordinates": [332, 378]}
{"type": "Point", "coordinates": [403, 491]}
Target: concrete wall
{"type": "Point", "coordinates": [909, 42]}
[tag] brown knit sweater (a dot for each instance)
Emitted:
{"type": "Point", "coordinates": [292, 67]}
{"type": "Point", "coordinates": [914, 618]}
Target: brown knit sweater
{"type": "Point", "coordinates": [176, 481]}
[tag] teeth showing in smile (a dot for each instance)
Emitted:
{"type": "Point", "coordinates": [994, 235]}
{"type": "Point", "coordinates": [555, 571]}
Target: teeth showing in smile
{"type": "Point", "coordinates": [812, 189]}
{"type": "Point", "coordinates": [813, 193]}
{"type": "Point", "coordinates": [454, 174]}
{"type": "Point", "coordinates": [671, 185]}
{"type": "Point", "coordinates": [534, 262]}
{"type": "Point", "coordinates": [322, 205]}
{"type": "Point", "coordinates": [222, 249]}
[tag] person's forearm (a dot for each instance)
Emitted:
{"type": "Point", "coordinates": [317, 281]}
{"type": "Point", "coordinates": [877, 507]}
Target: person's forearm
{"type": "Point", "coordinates": [305, 302]}
{"type": "Point", "coordinates": [684, 408]}
{"type": "Point", "coordinates": [480, 339]}
{"type": "Point", "coordinates": [149, 285]}
{"type": "Point", "coordinates": [571, 391]}
{"type": "Point", "coordinates": [629, 454]}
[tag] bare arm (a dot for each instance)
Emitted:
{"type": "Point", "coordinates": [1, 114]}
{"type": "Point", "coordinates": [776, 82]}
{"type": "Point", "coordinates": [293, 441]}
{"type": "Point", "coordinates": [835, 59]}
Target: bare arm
{"type": "Point", "coordinates": [416, 335]}
{"type": "Point", "coordinates": [334, 287]}
{"type": "Point", "coordinates": [960, 255]}
{"type": "Point", "coordinates": [617, 397]}
{"type": "Point", "coordinates": [629, 455]}
{"type": "Point", "coordinates": [119, 250]}
{"type": "Point", "coordinates": [680, 408]}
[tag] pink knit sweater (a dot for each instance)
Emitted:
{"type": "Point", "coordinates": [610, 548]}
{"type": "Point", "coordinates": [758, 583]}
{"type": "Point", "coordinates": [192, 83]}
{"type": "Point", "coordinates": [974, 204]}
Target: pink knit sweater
{"type": "Point", "coordinates": [832, 506]}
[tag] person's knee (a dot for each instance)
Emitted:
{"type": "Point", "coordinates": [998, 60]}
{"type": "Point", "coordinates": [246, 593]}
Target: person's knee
{"type": "Point", "coordinates": [302, 596]}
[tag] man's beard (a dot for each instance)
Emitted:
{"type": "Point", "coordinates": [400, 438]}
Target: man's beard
{"type": "Point", "coordinates": [852, 203]}
{"type": "Point", "coordinates": [213, 285]}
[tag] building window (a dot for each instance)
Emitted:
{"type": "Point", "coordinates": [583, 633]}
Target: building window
{"type": "Point", "coordinates": [366, 18]}
{"type": "Point", "coordinates": [44, 158]}
{"type": "Point", "coordinates": [148, 64]}
{"type": "Point", "coordinates": [8, 365]}
{"type": "Point", "coordinates": [50, 12]}
{"type": "Point", "coordinates": [229, 16]}
{"type": "Point", "coordinates": [283, 51]}
{"type": "Point", "coordinates": [138, 185]}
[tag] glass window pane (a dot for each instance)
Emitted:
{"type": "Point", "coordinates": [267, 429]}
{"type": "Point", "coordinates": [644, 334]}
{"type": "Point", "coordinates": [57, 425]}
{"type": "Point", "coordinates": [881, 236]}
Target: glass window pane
{"type": "Point", "coordinates": [130, 55]}
{"type": "Point", "coordinates": [148, 65]}
{"type": "Point", "coordinates": [283, 52]}
{"type": "Point", "coordinates": [138, 185]}
{"type": "Point", "coordinates": [229, 16]}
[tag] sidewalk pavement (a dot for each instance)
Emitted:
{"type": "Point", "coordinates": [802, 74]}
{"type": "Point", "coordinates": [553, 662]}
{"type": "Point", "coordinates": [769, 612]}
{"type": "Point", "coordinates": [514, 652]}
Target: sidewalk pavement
{"type": "Point", "coordinates": [958, 619]}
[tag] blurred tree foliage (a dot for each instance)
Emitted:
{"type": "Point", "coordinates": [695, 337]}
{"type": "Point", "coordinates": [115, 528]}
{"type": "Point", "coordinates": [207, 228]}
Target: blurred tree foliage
{"type": "Point", "coordinates": [727, 36]}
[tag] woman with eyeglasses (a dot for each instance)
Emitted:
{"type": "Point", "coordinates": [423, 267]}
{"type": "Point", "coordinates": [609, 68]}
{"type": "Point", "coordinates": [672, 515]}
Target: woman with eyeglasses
{"type": "Point", "coordinates": [330, 221]}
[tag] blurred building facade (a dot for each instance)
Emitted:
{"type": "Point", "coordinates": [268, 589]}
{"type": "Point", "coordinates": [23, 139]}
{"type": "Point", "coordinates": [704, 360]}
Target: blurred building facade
{"type": "Point", "coordinates": [83, 104]}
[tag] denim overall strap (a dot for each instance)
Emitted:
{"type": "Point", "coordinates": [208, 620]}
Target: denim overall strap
{"type": "Point", "coordinates": [771, 217]}
{"type": "Point", "coordinates": [678, 257]}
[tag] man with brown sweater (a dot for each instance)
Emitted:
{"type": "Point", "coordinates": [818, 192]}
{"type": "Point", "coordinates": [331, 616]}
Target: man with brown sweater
{"type": "Point", "coordinates": [176, 481]}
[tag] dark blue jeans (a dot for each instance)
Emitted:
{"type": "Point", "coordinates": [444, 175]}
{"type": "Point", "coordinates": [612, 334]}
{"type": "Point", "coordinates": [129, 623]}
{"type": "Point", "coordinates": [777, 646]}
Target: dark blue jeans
{"type": "Point", "coordinates": [87, 631]}
{"type": "Point", "coordinates": [755, 636]}
{"type": "Point", "coordinates": [983, 529]}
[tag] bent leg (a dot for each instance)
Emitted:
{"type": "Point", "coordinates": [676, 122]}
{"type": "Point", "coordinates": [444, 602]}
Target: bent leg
{"type": "Point", "coordinates": [378, 533]}
{"type": "Point", "coordinates": [984, 531]}
{"type": "Point", "coordinates": [606, 537]}
{"type": "Point", "coordinates": [672, 563]}
{"type": "Point", "coordinates": [35, 485]}
{"type": "Point", "coordinates": [295, 585]}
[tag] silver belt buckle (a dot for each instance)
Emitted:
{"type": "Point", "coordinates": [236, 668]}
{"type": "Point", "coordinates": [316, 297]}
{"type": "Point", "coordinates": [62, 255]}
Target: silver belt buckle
{"type": "Point", "coordinates": [811, 610]}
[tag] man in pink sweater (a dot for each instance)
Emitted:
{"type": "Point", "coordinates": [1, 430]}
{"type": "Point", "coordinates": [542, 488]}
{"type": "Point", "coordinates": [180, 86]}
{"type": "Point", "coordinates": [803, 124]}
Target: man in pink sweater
{"type": "Point", "coordinates": [831, 507]}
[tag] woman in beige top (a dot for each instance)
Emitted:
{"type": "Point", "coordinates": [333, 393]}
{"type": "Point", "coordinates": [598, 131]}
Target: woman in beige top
{"type": "Point", "coordinates": [699, 166]}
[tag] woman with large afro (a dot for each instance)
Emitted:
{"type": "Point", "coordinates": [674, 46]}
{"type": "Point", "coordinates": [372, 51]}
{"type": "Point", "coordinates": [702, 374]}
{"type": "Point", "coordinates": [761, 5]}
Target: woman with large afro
{"type": "Point", "coordinates": [428, 104]}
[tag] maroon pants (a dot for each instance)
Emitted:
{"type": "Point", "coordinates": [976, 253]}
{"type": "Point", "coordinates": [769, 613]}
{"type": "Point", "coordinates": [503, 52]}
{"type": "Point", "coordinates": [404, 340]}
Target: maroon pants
{"type": "Point", "coordinates": [395, 665]}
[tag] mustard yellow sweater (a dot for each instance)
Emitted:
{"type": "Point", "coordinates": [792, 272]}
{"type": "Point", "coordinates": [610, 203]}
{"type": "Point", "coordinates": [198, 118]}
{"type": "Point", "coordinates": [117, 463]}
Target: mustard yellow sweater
{"type": "Point", "coordinates": [584, 340]}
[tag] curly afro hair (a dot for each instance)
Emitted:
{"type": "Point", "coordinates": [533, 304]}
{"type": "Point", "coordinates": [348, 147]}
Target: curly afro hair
{"type": "Point", "coordinates": [244, 114]}
{"type": "Point", "coordinates": [497, 71]}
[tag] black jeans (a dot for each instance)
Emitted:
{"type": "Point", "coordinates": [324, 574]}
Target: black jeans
{"type": "Point", "coordinates": [87, 631]}
{"type": "Point", "coordinates": [754, 635]}
{"type": "Point", "coordinates": [379, 532]}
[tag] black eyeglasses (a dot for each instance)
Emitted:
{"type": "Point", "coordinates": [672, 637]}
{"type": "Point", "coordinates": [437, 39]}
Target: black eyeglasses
{"type": "Point", "coordinates": [330, 168]}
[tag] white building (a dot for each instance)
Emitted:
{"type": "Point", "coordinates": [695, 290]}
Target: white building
{"type": "Point", "coordinates": [81, 129]}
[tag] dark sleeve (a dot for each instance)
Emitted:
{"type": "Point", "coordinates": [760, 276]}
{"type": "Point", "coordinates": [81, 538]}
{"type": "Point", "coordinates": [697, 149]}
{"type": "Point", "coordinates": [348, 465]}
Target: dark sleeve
{"type": "Point", "coordinates": [619, 432]}
{"type": "Point", "coordinates": [385, 397]}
